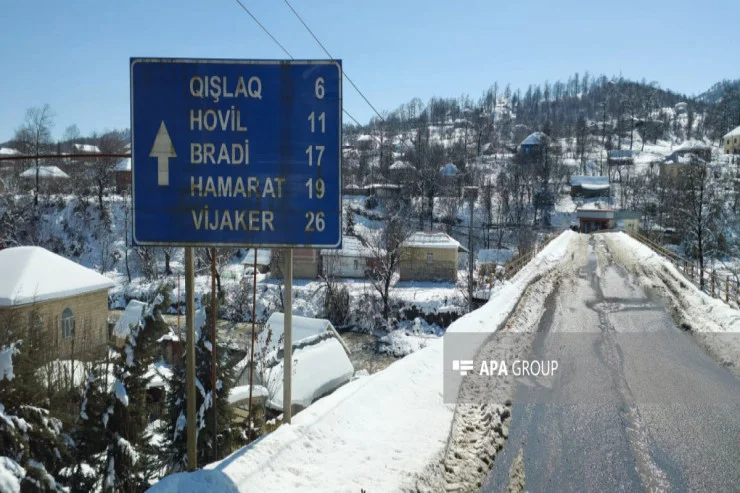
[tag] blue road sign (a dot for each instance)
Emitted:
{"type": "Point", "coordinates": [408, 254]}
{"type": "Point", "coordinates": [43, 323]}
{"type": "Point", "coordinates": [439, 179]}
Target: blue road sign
{"type": "Point", "coordinates": [236, 152]}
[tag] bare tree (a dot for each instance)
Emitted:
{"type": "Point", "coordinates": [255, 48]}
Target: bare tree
{"type": "Point", "coordinates": [101, 169]}
{"type": "Point", "coordinates": [385, 248]}
{"type": "Point", "coordinates": [34, 137]}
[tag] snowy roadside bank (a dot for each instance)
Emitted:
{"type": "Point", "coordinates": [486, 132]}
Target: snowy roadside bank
{"type": "Point", "coordinates": [378, 432]}
{"type": "Point", "coordinates": [714, 324]}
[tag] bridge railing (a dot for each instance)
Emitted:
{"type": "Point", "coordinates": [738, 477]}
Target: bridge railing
{"type": "Point", "coordinates": [723, 287]}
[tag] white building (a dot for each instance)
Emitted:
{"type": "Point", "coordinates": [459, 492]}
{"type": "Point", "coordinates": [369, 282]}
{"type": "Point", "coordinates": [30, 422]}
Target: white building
{"type": "Point", "coordinates": [352, 260]}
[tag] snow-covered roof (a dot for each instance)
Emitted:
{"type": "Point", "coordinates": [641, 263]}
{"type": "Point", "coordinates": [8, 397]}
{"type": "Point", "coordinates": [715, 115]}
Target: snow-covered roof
{"type": "Point", "coordinates": [495, 255]}
{"type": "Point", "coordinates": [388, 186]}
{"type": "Point", "coordinates": [595, 186]}
{"type": "Point", "coordinates": [241, 393]}
{"type": "Point", "coordinates": [595, 206]}
{"type": "Point", "coordinates": [364, 138]}
{"type": "Point", "coordinates": [87, 148]}
{"type": "Point", "coordinates": [303, 327]}
{"type": "Point", "coordinates": [436, 239]}
{"type": "Point", "coordinates": [264, 257]}
{"type": "Point", "coordinates": [351, 247]}
{"type": "Point", "coordinates": [732, 133]}
{"type": "Point", "coordinates": [123, 165]}
{"type": "Point", "coordinates": [35, 274]}
{"type": "Point", "coordinates": [448, 169]}
{"type": "Point", "coordinates": [620, 155]}
{"type": "Point", "coordinates": [535, 138]}
{"type": "Point", "coordinates": [7, 151]}
{"type": "Point", "coordinates": [692, 145]}
{"type": "Point", "coordinates": [317, 370]}
{"type": "Point", "coordinates": [45, 172]}
{"type": "Point", "coordinates": [130, 317]}
{"type": "Point", "coordinates": [576, 181]}
{"type": "Point", "coordinates": [401, 165]}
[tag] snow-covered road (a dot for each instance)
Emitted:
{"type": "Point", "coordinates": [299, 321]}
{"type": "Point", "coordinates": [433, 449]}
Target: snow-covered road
{"type": "Point", "coordinates": [638, 406]}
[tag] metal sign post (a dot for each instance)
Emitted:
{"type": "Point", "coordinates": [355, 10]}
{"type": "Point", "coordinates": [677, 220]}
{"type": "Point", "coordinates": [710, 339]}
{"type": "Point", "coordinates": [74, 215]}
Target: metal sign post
{"type": "Point", "coordinates": [288, 338]}
{"type": "Point", "coordinates": [235, 153]}
{"type": "Point", "coordinates": [190, 356]}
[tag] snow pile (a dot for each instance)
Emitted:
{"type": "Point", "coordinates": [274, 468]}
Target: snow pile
{"type": "Point", "coordinates": [409, 338]}
{"type": "Point", "coordinates": [130, 318]}
{"type": "Point", "coordinates": [376, 432]}
{"type": "Point", "coordinates": [241, 393]}
{"type": "Point", "coordinates": [11, 475]}
{"type": "Point", "coordinates": [6, 362]}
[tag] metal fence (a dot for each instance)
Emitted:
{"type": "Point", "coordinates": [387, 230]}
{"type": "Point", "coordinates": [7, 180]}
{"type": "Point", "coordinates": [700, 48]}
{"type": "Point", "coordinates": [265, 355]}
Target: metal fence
{"type": "Point", "coordinates": [722, 287]}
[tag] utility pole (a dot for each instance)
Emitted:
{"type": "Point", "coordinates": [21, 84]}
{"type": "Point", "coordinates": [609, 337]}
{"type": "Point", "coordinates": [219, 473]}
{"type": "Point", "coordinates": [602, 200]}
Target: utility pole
{"type": "Point", "coordinates": [190, 373]}
{"type": "Point", "coordinates": [288, 337]}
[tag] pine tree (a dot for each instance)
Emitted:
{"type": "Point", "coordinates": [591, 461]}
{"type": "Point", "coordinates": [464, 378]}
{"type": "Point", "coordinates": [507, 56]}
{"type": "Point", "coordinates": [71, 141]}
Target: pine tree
{"type": "Point", "coordinates": [33, 445]}
{"type": "Point", "coordinates": [350, 227]}
{"type": "Point", "coordinates": [89, 432]}
{"type": "Point", "coordinates": [127, 465]}
{"type": "Point", "coordinates": [175, 430]}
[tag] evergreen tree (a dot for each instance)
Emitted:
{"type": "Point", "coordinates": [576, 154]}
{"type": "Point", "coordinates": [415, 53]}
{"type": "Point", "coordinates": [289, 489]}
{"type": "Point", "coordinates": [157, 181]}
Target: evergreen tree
{"type": "Point", "coordinates": [128, 463]}
{"type": "Point", "coordinates": [89, 432]}
{"type": "Point", "coordinates": [227, 436]}
{"type": "Point", "coordinates": [349, 229]}
{"type": "Point", "coordinates": [33, 446]}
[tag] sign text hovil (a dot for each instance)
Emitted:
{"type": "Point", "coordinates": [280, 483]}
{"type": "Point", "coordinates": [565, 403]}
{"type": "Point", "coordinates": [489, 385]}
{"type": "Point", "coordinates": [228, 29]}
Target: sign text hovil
{"type": "Point", "coordinates": [236, 152]}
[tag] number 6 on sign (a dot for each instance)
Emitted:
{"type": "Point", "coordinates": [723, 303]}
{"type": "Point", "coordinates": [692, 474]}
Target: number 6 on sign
{"type": "Point", "coordinates": [319, 88]}
{"type": "Point", "coordinates": [315, 221]}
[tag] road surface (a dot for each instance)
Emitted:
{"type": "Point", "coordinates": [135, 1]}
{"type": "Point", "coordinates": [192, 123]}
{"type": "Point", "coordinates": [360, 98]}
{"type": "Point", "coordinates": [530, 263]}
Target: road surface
{"type": "Point", "coordinates": [636, 404]}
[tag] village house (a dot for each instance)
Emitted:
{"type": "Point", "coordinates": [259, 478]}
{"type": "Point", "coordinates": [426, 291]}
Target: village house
{"type": "Point", "coordinates": [365, 143]}
{"type": "Point", "coordinates": [86, 149]}
{"type": "Point", "coordinates": [62, 302]}
{"type": "Point", "coordinates": [321, 362]}
{"type": "Point", "coordinates": [595, 217]}
{"type": "Point", "coordinates": [589, 186]}
{"type": "Point", "coordinates": [383, 190]}
{"type": "Point", "coordinates": [122, 171]}
{"type": "Point", "coordinates": [731, 141]}
{"type": "Point", "coordinates": [305, 263]}
{"type": "Point", "coordinates": [430, 256]}
{"type": "Point", "coordinates": [51, 178]}
{"type": "Point", "coordinates": [353, 260]}
{"type": "Point", "coordinates": [533, 144]}
{"type": "Point", "coordinates": [698, 149]}
{"type": "Point", "coordinates": [628, 221]}
{"type": "Point", "coordinates": [672, 167]}
{"type": "Point", "coordinates": [264, 259]}
{"type": "Point", "coordinates": [402, 172]}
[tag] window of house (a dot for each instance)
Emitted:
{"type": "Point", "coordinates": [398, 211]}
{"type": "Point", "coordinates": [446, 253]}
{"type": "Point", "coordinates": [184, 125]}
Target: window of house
{"type": "Point", "coordinates": [357, 264]}
{"type": "Point", "coordinates": [68, 323]}
{"type": "Point", "coordinates": [430, 258]}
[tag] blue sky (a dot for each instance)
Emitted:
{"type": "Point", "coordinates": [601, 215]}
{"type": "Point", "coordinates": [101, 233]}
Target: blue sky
{"type": "Point", "coordinates": [74, 54]}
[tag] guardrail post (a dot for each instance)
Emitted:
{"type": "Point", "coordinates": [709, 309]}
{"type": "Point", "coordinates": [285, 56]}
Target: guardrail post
{"type": "Point", "coordinates": [727, 289]}
{"type": "Point", "coordinates": [712, 276]}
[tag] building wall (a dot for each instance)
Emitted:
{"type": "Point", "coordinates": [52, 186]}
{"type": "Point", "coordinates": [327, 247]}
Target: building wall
{"type": "Point", "coordinates": [90, 329]}
{"type": "Point", "coordinates": [414, 265]}
{"type": "Point", "coordinates": [344, 266]}
{"type": "Point", "coordinates": [732, 145]}
{"type": "Point", "coordinates": [305, 264]}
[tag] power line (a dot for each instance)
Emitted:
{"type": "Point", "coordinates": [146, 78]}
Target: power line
{"type": "Point", "coordinates": [292, 58]}
{"type": "Point", "coordinates": [329, 55]}
{"type": "Point", "coordinates": [264, 29]}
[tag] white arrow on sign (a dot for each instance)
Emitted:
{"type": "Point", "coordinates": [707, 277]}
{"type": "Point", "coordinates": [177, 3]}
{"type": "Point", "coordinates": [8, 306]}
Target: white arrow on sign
{"type": "Point", "coordinates": [163, 151]}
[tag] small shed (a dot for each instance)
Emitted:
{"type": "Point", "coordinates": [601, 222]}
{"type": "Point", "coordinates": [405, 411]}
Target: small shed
{"type": "Point", "coordinates": [353, 260]}
{"type": "Point", "coordinates": [264, 259]}
{"type": "Point", "coordinates": [620, 157]}
{"type": "Point", "coordinates": [595, 217]}
{"type": "Point", "coordinates": [122, 172]}
{"type": "Point", "coordinates": [320, 361]}
{"type": "Point", "coordinates": [589, 186]}
{"type": "Point", "coordinates": [430, 256]}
